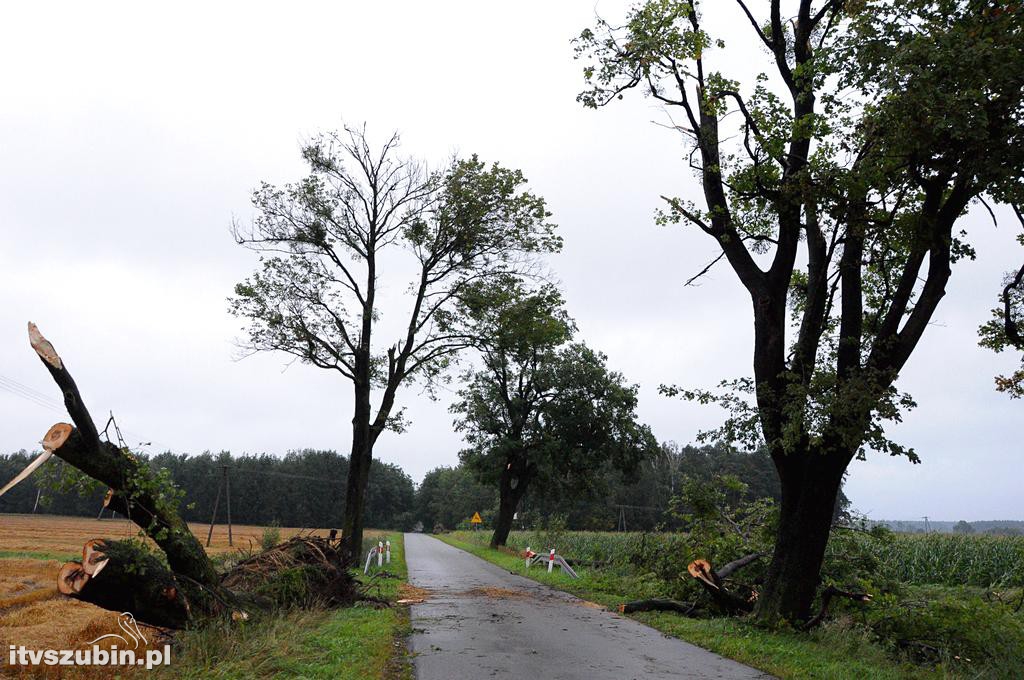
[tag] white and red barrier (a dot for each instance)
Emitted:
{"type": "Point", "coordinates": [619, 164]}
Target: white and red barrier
{"type": "Point", "coordinates": [369, 556]}
{"type": "Point", "coordinates": [551, 559]}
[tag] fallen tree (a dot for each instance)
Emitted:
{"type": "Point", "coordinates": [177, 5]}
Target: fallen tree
{"type": "Point", "coordinates": [126, 576]}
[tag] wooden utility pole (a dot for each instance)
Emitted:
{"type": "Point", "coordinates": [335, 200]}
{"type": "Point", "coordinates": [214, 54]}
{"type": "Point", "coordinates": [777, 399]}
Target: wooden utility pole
{"type": "Point", "coordinates": [227, 488]}
{"type": "Point", "coordinates": [226, 484]}
{"type": "Point", "coordinates": [213, 517]}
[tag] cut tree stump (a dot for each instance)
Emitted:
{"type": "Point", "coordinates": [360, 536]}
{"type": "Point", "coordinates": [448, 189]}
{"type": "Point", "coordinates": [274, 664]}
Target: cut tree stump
{"type": "Point", "coordinates": [124, 577]}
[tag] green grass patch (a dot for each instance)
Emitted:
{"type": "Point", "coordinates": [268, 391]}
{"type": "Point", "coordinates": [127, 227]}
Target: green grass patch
{"type": "Point", "coordinates": [842, 649]}
{"type": "Point", "coordinates": [358, 642]}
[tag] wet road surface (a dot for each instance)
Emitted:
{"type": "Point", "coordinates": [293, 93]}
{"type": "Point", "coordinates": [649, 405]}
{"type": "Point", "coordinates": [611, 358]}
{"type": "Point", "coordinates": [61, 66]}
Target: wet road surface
{"type": "Point", "coordinates": [480, 621]}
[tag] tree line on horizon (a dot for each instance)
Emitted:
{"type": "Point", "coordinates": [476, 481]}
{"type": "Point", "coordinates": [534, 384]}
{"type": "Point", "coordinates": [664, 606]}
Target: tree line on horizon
{"type": "Point", "coordinates": [301, 489]}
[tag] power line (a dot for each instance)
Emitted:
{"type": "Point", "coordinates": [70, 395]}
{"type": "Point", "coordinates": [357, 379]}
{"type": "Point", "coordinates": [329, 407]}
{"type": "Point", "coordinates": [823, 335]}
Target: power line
{"type": "Point", "coordinates": [38, 398]}
{"type": "Point", "coordinates": [28, 394]}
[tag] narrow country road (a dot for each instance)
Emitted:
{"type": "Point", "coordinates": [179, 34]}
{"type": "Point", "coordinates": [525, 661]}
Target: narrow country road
{"type": "Point", "coordinates": [480, 621]}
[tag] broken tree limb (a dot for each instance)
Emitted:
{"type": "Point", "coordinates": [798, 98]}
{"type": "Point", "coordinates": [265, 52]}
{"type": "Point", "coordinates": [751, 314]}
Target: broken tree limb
{"type": "Point", "coordinates": [126, 576]}
{"type": "Point", "coordinates": [59, 372]}
{"type": "Point", "coordinates": [138, 496]}
{"type": "Point", "coordinates": [658, 605]}
{"type": "Point", "coordinates": [29, 469]}
{"type": "Point", "coordinates": [728, 601]}
{"type": "Point", "coordinates": [136, 493]}
{"type": "Point", "coordinates": [53, 439]}
{"type": "Point", "coordinates": [734, 566]}
{"type": "Point", "coordinates": [826, 599]}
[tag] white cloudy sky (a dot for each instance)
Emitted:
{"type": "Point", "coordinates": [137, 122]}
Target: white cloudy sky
{"type": "Point", "coordinates": [131, 134]}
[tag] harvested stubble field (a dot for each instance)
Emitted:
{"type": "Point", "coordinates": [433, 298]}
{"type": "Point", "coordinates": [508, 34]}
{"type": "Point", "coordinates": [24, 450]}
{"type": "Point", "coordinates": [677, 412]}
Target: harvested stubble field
{"type": "Point", "coordinates": [34, 614]}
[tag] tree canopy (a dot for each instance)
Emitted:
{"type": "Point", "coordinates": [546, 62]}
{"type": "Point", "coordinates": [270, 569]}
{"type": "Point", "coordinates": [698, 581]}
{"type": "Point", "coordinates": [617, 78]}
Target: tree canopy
{"type": "Point", "coordinates": [832, 186]}
{"type": "Point", "coordinates": [541, 411]}
{"type": "Point", "coordinates": [326, 242]}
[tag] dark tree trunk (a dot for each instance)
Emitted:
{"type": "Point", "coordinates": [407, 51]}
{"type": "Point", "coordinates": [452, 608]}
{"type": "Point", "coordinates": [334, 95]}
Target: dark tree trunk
{"type": "Point", "coordinates": [131, 480]}
{"type": "Point", "coordinates": [131, 579]}
{"type": "Point", "coordinates": [511, 488]}
{"type": "Point", "coordinates": [810, 484]}
{"type": "Point", "coordinates": [359, 462]}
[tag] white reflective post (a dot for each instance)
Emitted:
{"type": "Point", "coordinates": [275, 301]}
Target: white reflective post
{"type": "Point", "coordinates": [387, 548]}
{"type": "Point", "coordinates": [380, 554]}
{"type": "Point", "coordinates": [551, 561]}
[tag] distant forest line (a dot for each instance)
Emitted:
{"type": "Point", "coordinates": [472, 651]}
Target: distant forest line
{"type": "Point", "coordinates": [306, 489]}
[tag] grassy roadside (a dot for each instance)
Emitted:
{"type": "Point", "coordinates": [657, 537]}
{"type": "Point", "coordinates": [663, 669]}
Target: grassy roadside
{"type": "Point", "coordinates": [355, 643]}
{"type": "Point", "coordinates": [834, 652]}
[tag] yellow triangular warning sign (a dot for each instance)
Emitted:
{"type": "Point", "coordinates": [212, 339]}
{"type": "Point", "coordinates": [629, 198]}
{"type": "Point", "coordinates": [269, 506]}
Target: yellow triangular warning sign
{"type": "Point", "coordinates": [476, 518]}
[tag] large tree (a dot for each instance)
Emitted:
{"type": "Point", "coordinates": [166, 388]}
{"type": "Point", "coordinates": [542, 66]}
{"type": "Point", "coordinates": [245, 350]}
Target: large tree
{"type": "Point", "coordinates": [540, 411]}
{"type": "Point", "coordinates": [329, 239]}
{"type": "Point", "coordinates": [832, 186]}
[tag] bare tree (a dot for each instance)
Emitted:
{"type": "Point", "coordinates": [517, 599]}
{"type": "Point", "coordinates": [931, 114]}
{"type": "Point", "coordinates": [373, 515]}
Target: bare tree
{"type": "Point", "coordinates": [322, 242]}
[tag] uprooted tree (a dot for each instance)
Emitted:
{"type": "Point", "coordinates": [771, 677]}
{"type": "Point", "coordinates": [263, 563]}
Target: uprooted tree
{"type": "Point", "coordinates": [328, 241]}
{"type": "Point", "coordinates": [540, 411]}
{"type": "Point", "coordinates": [124, 575]}
{"type": "Point", "coordinates": [832, 187]}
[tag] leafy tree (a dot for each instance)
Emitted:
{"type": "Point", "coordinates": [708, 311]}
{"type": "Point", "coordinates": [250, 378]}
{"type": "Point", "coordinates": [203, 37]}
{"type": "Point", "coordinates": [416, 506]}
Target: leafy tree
{"type": "Point", "coordinates": [327, 241]}
{"type": "Point", "coordinates": [963, 527]}
{"type": "Point", "coordinates": [1004, 330]}
{"type": "Point", "coordinates": [832, 187]}
{"type": "Point", "coordinates": [541, 411]}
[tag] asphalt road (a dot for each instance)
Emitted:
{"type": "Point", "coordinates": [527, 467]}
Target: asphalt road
{"type": "Point", "coordinates": [480, 621]}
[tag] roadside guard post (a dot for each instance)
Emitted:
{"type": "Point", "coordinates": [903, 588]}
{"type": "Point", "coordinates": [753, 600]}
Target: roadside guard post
{"type": "Point", "coordinates": [387, 551]}
{"type": "Point", "coordinates": [369, 557]}
{"type": "Point", "coordinates": [380, 553]}
{"type": "Point", "coordinates": [551, 559]}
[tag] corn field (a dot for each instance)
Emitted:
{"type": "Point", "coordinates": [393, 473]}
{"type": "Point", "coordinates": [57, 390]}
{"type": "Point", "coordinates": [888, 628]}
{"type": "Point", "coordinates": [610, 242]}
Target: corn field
{"type": "Point", "coordinates": [955, 559]}
{"type": "Point", "coordinates": [940, 559]}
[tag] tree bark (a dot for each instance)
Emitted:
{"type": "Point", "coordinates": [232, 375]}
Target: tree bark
{"type": "Point", "coordinates": [359, 462]}
{"type": "Point", "coordinates": [130, 579]}
{"type": "Point", "coordinates": [511, 489]}
{"type": "Point", "coordinates": [810, 483]}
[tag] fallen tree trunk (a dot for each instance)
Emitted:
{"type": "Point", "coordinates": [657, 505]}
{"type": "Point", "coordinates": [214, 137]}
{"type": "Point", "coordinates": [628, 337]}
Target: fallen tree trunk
{"type": "Point", "coordinates": [125, 577]}
{"type": "Point", "coordinates": [139, 495]}
{"type": "Point", "coordinates": [122, 576]}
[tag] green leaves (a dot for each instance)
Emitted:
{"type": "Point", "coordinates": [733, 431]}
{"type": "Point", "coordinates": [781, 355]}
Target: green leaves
{"type": "Point", "coordinates": [539, 405]}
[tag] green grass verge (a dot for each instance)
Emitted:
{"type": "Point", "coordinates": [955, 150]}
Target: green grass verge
{"type": "Point", "coordinates": [834, 652]}
{"type": "Point", "coordinates": [355, 643]}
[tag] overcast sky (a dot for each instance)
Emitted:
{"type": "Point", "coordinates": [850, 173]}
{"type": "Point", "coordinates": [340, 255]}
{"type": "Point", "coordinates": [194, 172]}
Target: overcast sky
{"type": "Point", "coordinates": [131, 136]}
